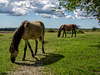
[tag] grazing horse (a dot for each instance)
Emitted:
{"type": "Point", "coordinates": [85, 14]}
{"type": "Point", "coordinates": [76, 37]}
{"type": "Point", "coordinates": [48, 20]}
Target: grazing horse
{"type": "Point", "coordinates": [27, 30]}
{"type": "Point", "coordinates": [67, 28]}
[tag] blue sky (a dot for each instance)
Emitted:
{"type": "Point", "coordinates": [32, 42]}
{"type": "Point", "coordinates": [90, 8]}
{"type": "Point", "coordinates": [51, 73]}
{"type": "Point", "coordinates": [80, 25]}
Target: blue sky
{"type": "Point", "coordinates": [13, 13]}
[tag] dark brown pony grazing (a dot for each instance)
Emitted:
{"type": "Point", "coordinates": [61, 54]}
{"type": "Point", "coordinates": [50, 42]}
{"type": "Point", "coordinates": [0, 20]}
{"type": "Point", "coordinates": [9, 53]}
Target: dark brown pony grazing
{"type": "Point", "coordinates": [27, 30]}
{"type": "Point", "coordinates": [67, 28]}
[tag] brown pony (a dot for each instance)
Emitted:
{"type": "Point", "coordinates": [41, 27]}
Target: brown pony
{"type": "Point", "coordinates": [27, 30]}
{"type": "Point", "coordinates": [67, 28]}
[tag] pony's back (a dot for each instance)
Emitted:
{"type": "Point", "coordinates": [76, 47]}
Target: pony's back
{"type": "Point", "coordinates": [42, 25]}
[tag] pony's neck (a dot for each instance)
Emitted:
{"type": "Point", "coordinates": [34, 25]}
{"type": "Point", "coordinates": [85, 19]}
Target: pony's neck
{"type": "Point", "coordinates": [60, 29]}
{"type": "Point", "coordinates": [17, 36]}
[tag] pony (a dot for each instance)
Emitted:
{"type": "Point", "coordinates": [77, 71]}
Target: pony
{"type": "Point", "coordinates": [67, 28]}
{"type": "Point", "coordinates": [27, 30]}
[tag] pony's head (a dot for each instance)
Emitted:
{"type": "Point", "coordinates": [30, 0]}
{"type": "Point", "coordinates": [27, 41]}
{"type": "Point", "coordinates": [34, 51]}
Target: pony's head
{"type": "Point", "coordinates": [59, 33]}
{"type": "Point", "coordinates": [13, 53]}
{"type": "Point", "coordinates": [60, 29]}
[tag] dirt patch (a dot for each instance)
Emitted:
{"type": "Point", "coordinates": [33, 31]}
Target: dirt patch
{"type": "Point", "coordinates": [31, 67]}
{"type": "Point", "coordinates": [28, 68]}
{"type": "Point", "coordinates": [36, 66]}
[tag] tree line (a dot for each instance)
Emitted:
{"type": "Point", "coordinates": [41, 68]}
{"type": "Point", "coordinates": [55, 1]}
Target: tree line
{"type": "Point", "coordinates": [8, 29]}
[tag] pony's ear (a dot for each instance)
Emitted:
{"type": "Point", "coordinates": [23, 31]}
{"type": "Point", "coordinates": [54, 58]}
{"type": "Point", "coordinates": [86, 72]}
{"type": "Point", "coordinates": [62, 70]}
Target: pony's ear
{"type": "Point", "coordinates": [27, 24]}
{"type": "Point", "coordinates": [12, 46]}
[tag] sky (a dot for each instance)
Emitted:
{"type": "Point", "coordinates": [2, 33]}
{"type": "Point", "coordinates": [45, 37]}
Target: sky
{"type": "Point", "coordinates": [14, 12]}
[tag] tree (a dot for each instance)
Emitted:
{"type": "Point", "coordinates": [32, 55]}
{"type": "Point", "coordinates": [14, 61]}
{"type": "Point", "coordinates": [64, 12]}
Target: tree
{"type": "Point", "coordinates": [91, 6]}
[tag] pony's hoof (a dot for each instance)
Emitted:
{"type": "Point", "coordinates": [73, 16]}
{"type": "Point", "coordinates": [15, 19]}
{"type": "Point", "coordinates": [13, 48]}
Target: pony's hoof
{"type": "Point", "coordinates": [12, 60]}
{"type": "Point", "coordinates": [43, 52]}
{"type": "Point", "coordinates": [22, 59]}
{"type": "Point", "coordinates": [33, 56]}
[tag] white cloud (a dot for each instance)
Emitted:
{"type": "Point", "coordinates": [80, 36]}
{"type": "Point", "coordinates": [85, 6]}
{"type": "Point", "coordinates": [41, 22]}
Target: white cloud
{"type": "Point", "coordinates": [4, 1]}
{"type": "Point", "coordinates": [54, 16]}
{"type": "Point", "coordinates": [82, 14]}
{"type": "Point", "coordinates": [21, 7]}
{"type": "Point", "coordinates": [46, 15]}
{"type": "Point", "coordinates": [70, 17]}
{"type": "Point", "coordinates": [13, 8]}
{"type": "Point", "coordinates": [49, 16]}
{"type": "Point", "coordinates": [42, 7]}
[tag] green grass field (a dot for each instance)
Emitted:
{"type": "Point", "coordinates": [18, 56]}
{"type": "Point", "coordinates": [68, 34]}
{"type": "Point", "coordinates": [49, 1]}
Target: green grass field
{"type": "Point", "coordinates": [78, 55]}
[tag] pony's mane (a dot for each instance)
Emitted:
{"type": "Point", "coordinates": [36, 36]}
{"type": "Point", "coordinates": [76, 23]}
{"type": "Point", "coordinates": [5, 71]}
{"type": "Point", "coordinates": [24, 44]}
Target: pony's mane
{"type": "Point", "coordinates": [18, 35]}
{"type": "Point", "coordinates": [61, 27]}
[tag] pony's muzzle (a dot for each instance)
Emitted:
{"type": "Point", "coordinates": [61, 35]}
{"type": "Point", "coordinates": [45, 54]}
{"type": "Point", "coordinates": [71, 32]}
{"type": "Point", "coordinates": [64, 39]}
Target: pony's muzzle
{"type": "Point", "coordinates": [12, 60]}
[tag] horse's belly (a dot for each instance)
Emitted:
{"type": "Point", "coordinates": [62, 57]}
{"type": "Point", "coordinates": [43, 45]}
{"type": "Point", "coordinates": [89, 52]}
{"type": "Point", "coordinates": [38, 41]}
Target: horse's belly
{"type": "Point", "coordinates": [68, 29]}
{"type": "Point", "coordinates": [34, 36]}
{"type": "Point", "coordinates": [31, 35]}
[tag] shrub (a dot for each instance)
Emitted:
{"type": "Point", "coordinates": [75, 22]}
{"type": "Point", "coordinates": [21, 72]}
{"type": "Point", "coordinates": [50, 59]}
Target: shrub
{"type": "Point", "coordinates": [50, 30]}
{"type": "Point", "coordinates": [80, 31]}
{"type": "Point", "coordinates": [94, 29]}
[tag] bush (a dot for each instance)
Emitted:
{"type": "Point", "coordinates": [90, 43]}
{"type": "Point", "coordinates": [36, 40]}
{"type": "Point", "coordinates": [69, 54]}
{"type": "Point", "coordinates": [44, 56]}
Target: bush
{"type": "Point", "coordinates": [80, 31]}
{"type": "Point", "coordinates": [94, 29]}
{"type": "Point", "coordinates": [50, 30]}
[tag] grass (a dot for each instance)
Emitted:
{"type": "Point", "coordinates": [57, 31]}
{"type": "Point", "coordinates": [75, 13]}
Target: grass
{"type": "Point", "coordinates": [81, 54]}
{"type": "Point", "coordinates": [64, 56]}
{"type": "Point", "coordinates": [5, 64]}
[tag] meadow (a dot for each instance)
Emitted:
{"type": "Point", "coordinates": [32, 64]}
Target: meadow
{"type": "Point", "coordinates": [78, 55]}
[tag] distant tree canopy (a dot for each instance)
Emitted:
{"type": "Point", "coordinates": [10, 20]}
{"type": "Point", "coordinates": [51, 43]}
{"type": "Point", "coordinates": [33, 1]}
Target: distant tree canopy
{"type": "Point", "coordinates": [91, 6]}
{"type": "Point", "coordinates": [8, 29]}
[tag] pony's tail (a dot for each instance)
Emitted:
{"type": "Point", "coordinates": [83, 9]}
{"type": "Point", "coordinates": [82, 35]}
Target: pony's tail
{"type": "Point", "coordinates": [40, 38]}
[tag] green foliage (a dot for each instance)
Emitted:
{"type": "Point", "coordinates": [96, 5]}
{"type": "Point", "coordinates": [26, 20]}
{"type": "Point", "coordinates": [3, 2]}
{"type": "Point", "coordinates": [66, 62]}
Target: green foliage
{"type": "Point", "coordinates": [8, 29]}
{"type": "Point", "coordinates": [80, 31]}
{"type": "Point", "coordinates": [53, 10]}
{"type": "Point", "coordinates": [91, 6]}
{"type": "Point", "coordinates": [94, 29]}
{"type": "Point", "coordinates": [50, 30]}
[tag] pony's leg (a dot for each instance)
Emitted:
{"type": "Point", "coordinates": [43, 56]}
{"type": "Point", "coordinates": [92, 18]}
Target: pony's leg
{"type": "Point", "coordinates": [25, 48]}
{"type": "Point", "coordinates": [72, 34]}
{"type": "Point", "coordinates": [43, 44]}
{"type": "Point", "coordinates": [63, 34]}
{"type": "Point", "coordinates": [30, 49]}
{"type": "Point", "coordinates": [75, 33]}
{"type": "Point", "coordinates": [36, 42]}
